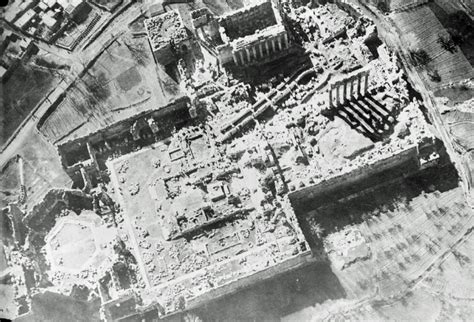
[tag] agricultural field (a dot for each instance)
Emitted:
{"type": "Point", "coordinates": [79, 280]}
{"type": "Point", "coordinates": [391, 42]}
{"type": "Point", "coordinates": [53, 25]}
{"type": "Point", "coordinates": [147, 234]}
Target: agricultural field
{"type": "Point", "coordinates": [458, 23]}
{"type": "Point", "coordinates": [406, 225]}
{"type": "Point", "coordinates": [42, 171]}
{"type": "Point", "coordinates": [10, 183]}
{"type": "Point", "coordinates": [122, 82]}
{"type": "Point", "coordinates": [21, 93]}
{"type": "Point", "coordinates": [421, 29]}
{"type": "Point", "coordinates": [410, 259]}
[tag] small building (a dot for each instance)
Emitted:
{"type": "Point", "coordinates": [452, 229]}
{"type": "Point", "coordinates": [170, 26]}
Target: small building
{"type": "Point", "coordinates": [43, 6]}
{"type": "Point", "coordinates": [50, 22]}
{"type": "Point", "coordinates": [50, 3]}
{"type": "Point", "coordinates": [25, 19]}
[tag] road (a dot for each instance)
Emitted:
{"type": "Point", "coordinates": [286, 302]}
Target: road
{"type": "Point", "coordinates": [392, 36]}
{"type": "Point", "coordinates": [79, 59]}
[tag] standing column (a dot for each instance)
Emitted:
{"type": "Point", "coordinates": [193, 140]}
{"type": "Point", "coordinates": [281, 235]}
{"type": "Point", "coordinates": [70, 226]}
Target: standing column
{"type": "Point", "coordinates": [267, 47]}
{"type": "Point", "coordinates": [238, 55]}
{"type": "Point", "coordinates": [359, 83]}
{"type": "Point", "coordinates": [337, 94]}
{"type": "Point", "coordinates": [234, 56]}
{"type": "Point", "coordinates": [286, 40]}
{"type": "Point", "coordinates": [279, 44]}
{"type": "Point", "coordinates": [273, 45]}
{"type": "Point", "coordinates": [254, 52]}
{"type": "Point", "coordinates": [330, 96]}
{"type": "Point", "coordinates": [247, 51]}
{"type": "Point", "coordinates": [344, 92]}
{"type": "Point", "coordinates": [242, 57]}
{"type": "Point", "coordinates": [341, 89]}
{"type": "Point", "coordinates": [260, 47]}
{"type": "Point", "coordinates": [350, 88]}
{"type": "Point", "coordinates": [366, 83]}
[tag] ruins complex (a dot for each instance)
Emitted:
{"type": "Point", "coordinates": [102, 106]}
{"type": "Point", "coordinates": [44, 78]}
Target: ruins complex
{"type": "Point", "coordinates": [167, 36]}
{"type": "Point", "coordinates": [211, 162]}
{"type": "Point", "coordinates": [251, 35]}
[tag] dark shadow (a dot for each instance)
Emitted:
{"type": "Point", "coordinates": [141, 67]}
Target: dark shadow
{"type": "Point", "coordinates": [368, 116]}
{"type": "Point", "coordinates": [334, 209]}
{"type": "Point", "coordinates": [279, 68]}
{"type": "Point", "coordinates": [352, 119]}
{"type": "Point", "coordinates": [459, 26]}
{"type": "Point", "coordinates": [369, 109]}
{"type": "Point", "coordinates": [360, 116]}
{"type": "Point", "coordinates": [373, 42]}
{"type": "Point", "coordinates": [279, 296]}
{"type": "Point", "coordinates": [371, 100]}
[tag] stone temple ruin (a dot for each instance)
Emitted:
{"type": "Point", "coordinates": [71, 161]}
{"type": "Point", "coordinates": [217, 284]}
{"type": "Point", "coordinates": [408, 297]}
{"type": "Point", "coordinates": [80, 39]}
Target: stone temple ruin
{"type": "Point", "coordinates": [354, 86]}
{"type": "Point", "coordinates": [251, 35]}
{"type": "Point", "coordinates": [170, 212]}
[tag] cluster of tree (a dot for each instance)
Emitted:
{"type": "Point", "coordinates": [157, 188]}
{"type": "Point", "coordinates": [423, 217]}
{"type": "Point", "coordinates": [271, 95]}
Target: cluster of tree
{"type": "Point", "coordinates": [447, 43]}
{"type": "Point", "coordinates": [382, 6]}
{"type": "Point", "coordinates": [420, 57]}
{"type": "Point", "coordinates": [460, 29]}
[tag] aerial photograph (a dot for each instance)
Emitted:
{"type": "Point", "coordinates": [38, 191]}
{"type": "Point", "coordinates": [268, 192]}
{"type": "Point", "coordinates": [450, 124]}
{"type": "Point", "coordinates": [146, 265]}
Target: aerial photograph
{"type": "Point", "coordinates": [236, 160]}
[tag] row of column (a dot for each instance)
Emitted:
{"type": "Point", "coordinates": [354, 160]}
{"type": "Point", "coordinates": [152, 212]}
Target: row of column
{"type": "Point", "coordinates": [346, 87]}
{"type": "Point", "coordinates": [260, 50]}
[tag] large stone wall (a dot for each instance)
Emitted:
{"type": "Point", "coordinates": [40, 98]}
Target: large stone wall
{"type": "Point", "coordinates": [358, 175]}
{"type": "Point", "coordinates": [43, 215]}
{"type": "Point", "coordinates": [260, 46]}
{"type": "Point", "coordinates": [301, 260]}
{"type": "Point", "coordinates": [119, 129]}
{"type": "Point", "coordinates": [396, 5]}
{"type": "Point", "coordinates": [247, 20]}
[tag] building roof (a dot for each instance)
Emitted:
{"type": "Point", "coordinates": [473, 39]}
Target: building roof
{"type": "Point", "coordinates": [43, 6]}
{"type": "Point", "coordinates": [49, 21]}
{"type": "Point", "coordinates": [25, 18]}
{"type": "Point", "coordinates": [50, 3]}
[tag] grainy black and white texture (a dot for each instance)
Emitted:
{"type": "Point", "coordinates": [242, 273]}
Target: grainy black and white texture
{"type": "Point", "coordinates": [236, 160]}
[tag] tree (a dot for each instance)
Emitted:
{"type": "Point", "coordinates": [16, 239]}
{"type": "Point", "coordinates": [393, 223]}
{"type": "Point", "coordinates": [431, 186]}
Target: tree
{"type": "Point", "coordinates": [382, 6]}
{"type": "Point", "coordinates": [455, 35]}
{"type": "Point", "coordinates": [420, 57]}
{"type": "Point", "coordinates": [180, 303]}
{"type": "Point", "coordinates": [317, 230]}
{"type": "Point", "coordinates": [447, 43]}
{"type": "Point", "coordinates": [192, 317]}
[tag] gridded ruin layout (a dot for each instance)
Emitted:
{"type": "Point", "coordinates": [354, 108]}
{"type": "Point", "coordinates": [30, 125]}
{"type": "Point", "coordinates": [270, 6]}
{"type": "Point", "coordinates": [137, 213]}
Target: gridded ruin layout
{"type": "Point", "coordinates": [207, 152]}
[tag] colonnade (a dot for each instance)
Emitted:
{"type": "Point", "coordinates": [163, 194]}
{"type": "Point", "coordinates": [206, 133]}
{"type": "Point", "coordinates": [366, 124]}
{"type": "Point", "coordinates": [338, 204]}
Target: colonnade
{"type": "Point", "coordinates": [260, 50]}
{"type": "Point", "coordinates": [355, 86]}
